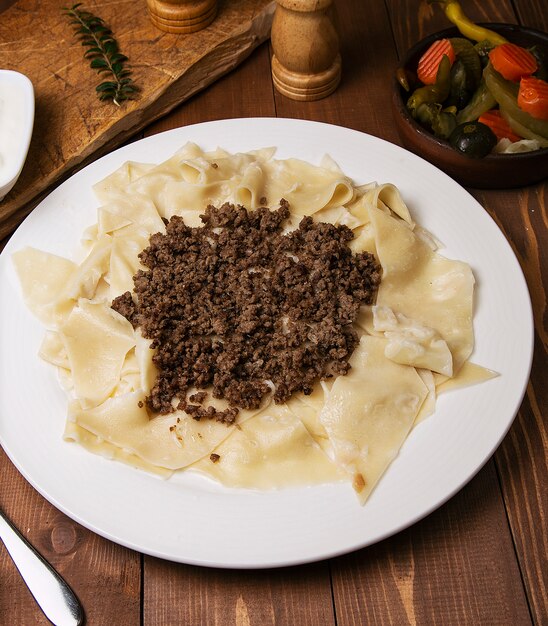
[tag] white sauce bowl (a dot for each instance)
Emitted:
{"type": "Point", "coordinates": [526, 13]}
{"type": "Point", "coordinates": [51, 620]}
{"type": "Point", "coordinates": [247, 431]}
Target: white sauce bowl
{"type": "Point", "coordinates": [16, 123]}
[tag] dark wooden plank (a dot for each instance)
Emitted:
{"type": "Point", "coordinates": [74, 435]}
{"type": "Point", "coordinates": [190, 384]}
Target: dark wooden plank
{"type": "Point", "coordinates": [104, 576]}
{"type": "Point", "coordinates": [522, 463]}
{"type": "Point", "coordinates": [182, 594]}
{"type": "Point", "coordinates": [532, 14]}
{"type": "Point", "coordinates": [178, 594]}
{"type": "Point", "coordinates": [522, 457]}
{"type": "Point", "coordinates": [246, 92]}
{"type": "Point", "coordinates": [362, 100]}
{"type": "Point", "coordinates": [455, 568]}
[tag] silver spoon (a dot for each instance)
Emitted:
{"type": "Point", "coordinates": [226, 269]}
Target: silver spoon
{"type": "Point", "coordinates": [54, 596]}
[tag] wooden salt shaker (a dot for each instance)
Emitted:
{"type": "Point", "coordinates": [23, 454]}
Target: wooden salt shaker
{"type": "Point", "coordinates": [182, 16]}
{"type": "Point", "coordinates": [306, 64]}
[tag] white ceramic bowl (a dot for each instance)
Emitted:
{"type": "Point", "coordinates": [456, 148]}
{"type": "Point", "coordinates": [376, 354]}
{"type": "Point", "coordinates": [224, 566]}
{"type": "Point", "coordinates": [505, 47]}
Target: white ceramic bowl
{"type": "Point", "coordinates": [16, 123]}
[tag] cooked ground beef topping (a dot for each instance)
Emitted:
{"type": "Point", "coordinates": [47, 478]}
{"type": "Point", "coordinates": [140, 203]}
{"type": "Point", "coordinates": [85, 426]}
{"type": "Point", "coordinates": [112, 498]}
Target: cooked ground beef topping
{"type": "Point", "coordinates": [242, 307]}
{"type": "Point", "coordinates": [198, 397]}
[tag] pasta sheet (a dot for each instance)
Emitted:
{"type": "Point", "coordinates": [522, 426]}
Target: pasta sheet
{"type": "Point", "coordinates": [414, 341]}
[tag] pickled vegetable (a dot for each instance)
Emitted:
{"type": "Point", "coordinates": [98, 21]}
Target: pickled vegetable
{"type": "Point", "coordinates": [468, 55]}
{"type": "Point", "coordinates": [434, 118]}
{"type": "Point", "coordinates": [436, 93]}
{"type": "Point", "coordinates": [512, 62]}
{"type": "Point", "coordinates": [533, 97]}
{"type": "Point", "coordinates": [429, 62]}
{"type": "Point", "coordinates": [481, 101]}
{"type": "Point", "coordinates": [505, 93]}
{"type": "Point", "coordinates": [470, 103]}
{"type": "Point", "coordinates": [473, 139]}
{"type": "Point", "coordinates": [483, 48]}
{"type": "Point", "coordinates": [403, 78]}
{"type": "Point", "coordinates": [461, 89]}
{"type": "Point", "coordinates": [498, 125]}
{"type": "Point", "coordinates": [523, 131]}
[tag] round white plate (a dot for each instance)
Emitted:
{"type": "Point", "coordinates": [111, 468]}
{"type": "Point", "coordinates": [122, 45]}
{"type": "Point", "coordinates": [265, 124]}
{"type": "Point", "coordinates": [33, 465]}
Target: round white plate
{"type": "Point", "coordinates": [189, 518]}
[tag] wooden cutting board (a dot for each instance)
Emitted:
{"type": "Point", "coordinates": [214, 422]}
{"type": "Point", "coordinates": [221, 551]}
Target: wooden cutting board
{"type": "Point", "coordinates": [71, 125]}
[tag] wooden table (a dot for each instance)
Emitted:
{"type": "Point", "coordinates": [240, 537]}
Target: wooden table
{"type": "Point", "coordinates": [479, 559]}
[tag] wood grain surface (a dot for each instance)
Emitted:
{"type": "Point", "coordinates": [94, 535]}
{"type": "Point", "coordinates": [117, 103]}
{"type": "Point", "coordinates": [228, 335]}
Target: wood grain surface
{"type": "Point", "coordinates": [71, 125]}
{"type": "Point", "coordinates": [480, 559]}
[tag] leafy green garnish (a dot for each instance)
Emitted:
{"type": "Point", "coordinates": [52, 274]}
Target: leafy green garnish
{"type": "Point", "coordinates": [103, 52]}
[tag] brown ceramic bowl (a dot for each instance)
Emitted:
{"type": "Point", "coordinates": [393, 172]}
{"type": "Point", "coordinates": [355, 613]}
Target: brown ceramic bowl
{"type": "Point", "coordinates": [493, 171]}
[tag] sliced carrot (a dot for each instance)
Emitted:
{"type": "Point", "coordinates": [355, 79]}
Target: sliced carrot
{"type": "Point", "coordinates": [498, 125]}
{"type": "Point", "coordinates": [431, 59]}
{"type": "Point", "coordinates": [533, 97]}
{"type": "Point", "coordinates": [512, 61]}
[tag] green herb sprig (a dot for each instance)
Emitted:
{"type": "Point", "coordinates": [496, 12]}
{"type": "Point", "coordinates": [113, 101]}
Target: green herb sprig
{"type": "Point", "coordinates": [103, 52]}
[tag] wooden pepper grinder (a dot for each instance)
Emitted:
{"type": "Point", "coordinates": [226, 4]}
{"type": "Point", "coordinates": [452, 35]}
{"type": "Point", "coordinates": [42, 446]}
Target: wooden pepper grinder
{"type": "Point", "coordinates": [182, 16]}
{"type": "Point", "coordinates": [306, 64]}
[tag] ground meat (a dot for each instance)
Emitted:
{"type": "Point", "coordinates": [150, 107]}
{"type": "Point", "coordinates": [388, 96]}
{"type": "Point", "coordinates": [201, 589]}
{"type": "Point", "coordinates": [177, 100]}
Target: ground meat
{"type": "Point", "coordinates": [125, 306]}
{"type": "Point", "coordinates": [239, 306]}
{"type": "Point", "coordinates": [198, 397]}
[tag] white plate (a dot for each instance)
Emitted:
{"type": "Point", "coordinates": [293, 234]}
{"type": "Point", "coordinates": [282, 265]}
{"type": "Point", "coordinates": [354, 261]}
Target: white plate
{"type": "Point", "coordinates": [192, 520]}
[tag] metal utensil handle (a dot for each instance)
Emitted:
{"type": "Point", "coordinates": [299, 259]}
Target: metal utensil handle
{"type": "Point", "coordinates": [51, 592]}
